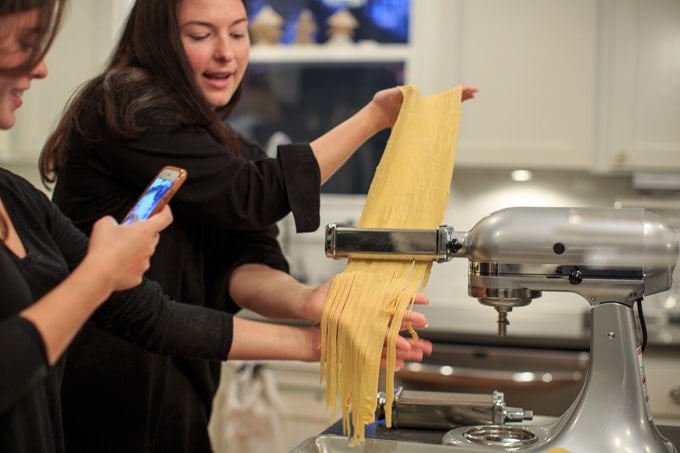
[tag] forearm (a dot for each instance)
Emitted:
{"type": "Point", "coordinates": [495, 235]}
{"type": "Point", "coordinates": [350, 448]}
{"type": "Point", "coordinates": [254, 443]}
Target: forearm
{"type": "Point", "coordinates": [333, 148]}
{"type": "Point", "coordinates": [269, 292]}
{"type": "Point", "coordinates": [255, 340]}
{"type": "Point", "coordinates": [60, 313]}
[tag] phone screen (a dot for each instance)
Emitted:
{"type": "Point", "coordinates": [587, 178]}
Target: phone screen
{"type": "Point", "coordinates": [149, 200]}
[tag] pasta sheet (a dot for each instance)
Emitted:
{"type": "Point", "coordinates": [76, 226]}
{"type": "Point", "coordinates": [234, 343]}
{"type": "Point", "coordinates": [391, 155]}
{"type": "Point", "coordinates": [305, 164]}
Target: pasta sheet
{"type": "Point", "coordinates": [410, 189]}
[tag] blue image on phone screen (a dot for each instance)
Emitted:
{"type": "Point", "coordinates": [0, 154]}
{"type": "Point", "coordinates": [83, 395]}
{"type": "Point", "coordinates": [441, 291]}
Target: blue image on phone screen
{"type": "Point", "coordinates": [149, 200]}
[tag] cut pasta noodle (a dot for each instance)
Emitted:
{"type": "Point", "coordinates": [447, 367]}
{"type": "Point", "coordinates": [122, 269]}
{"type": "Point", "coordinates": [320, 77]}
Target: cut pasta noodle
{"type": "Point", "coordinates": [367, 300]}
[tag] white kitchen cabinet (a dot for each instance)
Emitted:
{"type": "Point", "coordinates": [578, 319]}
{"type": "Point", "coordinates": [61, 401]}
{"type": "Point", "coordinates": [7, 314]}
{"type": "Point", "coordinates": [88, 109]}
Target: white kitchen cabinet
{"type": "Point", "coordinates": [640, 92]}
{"type": "Point", "coordinates": [535, 64]}
{"type": "Point", "coordinates": [588, 84]}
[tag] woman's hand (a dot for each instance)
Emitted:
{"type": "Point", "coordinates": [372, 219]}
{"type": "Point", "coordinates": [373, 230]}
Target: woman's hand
{"type": "Point", "coordinates": [411, 349]}
{"type": "Point", "coordinates": [469, 92]}
{"type": "Point", "coordinates": [313, 306]}
{"type": "Point", "coordinates": [123, 251]}
{"type": "Point", "coordinates": [387, 103]}
{"type": "Point", "coordinates": [408, 349]}
{"type": "Point", "coordinates": [117, 257]}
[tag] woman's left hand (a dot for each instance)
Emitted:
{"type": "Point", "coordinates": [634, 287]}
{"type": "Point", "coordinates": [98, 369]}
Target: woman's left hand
{"type": "Point", "coordinates": [408, 349]}
{"type": "Point", "coordinates": [469, 92]}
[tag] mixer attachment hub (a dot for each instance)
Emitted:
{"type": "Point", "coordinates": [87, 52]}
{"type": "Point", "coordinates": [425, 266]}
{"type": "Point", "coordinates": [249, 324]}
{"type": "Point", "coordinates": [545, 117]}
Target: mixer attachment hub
{"type": "Point", "coordinates": [504, 436]}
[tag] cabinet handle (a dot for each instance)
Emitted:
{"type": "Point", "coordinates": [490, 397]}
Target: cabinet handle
{"type": "Point", "coordinates": [675, 394]}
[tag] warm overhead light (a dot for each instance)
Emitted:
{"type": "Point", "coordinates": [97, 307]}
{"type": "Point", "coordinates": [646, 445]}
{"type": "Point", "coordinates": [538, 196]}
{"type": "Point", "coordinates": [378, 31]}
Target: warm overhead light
{"type": "Point", "coordinates": [521, 175]}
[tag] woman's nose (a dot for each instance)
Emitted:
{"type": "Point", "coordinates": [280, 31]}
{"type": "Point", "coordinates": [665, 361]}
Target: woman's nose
{"type": "Point", "coordinates": [39, 71]}
{"type": "Point", "coordinates": [223, 51]}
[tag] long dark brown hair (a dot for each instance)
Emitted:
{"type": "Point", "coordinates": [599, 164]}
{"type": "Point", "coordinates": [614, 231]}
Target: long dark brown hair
{"type": "Point", "coordinates": [50, 15]}
{"type": "Point", "coordinates": [148, 72]}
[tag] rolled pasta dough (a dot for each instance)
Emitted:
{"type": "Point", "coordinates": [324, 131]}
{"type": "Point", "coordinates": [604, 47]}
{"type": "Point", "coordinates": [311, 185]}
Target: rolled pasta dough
{"type": "Point", "coordinates": [410, 189]}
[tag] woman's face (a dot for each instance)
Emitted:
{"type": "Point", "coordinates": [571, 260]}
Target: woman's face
{"type": "Point", "coordinates": [18, 36]}
{"type": "Point", "coordinates": [215, 38]}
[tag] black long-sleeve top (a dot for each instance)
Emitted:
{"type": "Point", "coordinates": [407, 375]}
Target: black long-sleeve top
{"type": "Point", "coordinates": [118, 397]}
{"type": "Point", "coordinates": [30, 410]}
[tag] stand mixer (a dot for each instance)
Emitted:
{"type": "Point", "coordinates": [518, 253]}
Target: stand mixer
{"type": "Point", "coordinates": [611, 257]}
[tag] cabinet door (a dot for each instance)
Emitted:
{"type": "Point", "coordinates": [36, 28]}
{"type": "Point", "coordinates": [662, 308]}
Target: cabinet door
{"type": "Point", "coordinates": [642, 47]}
{"type": "Point", "coordinates": [535, 65]}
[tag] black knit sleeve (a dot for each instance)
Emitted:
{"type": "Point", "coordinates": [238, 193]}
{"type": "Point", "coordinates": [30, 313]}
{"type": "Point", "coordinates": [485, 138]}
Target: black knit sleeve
{"type": "Point", "coordinates": [222, 189]}
{"type": "Point", "coordinates": [148, 318]}
{"type": "Point", "coordinates": [144, 315]}
{"type": "Point", "coordinates": [230, 250]}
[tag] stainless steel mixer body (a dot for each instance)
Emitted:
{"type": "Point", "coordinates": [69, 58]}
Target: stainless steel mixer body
{"type": "Point", "coordinates": [611, 257]}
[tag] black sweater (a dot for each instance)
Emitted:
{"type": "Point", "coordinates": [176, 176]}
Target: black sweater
{"type": "Point", "coordinates": [118, 397]}
{"type": "Point", "coordinates": [30, 410]}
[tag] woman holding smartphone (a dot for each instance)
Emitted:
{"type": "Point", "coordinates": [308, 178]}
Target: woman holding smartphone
{"type": "Point", "coordinates": [173, 78]}
{"type": "Point", "coordinates": [49, 287]}
{"type": "Point", "coordinates": [53, 279]}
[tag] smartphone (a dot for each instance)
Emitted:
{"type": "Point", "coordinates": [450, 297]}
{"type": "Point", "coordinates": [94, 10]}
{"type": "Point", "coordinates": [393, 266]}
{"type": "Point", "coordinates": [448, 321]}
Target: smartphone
{"type": "Point", "coordinates": [157, 194]}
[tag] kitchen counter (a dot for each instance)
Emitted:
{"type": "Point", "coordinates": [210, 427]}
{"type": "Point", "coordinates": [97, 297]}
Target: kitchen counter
{"type": "Point", "coordinates": [672, 433]}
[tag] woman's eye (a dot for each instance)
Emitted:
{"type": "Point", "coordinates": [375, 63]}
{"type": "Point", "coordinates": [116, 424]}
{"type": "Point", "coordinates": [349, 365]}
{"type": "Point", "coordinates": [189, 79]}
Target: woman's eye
{"type": "Point", "coordinates": [199, 36]}
{"type": "Point", "coordinates": [30, 43]}
{"type": "Point", "coordinates": [29, 46]}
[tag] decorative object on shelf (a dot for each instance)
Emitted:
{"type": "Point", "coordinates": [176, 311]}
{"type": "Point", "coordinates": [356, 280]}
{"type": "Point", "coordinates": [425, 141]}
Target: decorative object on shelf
{"type": "Point", "coordinates": [267, 27]}
{"type": "Point", "coordinates": [305, 28]}
{"type": "Point", "coordinates": [341, 27]}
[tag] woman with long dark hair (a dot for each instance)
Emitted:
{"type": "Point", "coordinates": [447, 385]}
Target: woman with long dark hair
{"type": "Point", "coordinates": [173, 78]}
{"type": "Point", "coordinates": [53, 279]}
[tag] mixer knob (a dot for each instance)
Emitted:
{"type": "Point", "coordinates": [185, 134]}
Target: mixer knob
{"type": "Point", "coordinates": [575, 276]}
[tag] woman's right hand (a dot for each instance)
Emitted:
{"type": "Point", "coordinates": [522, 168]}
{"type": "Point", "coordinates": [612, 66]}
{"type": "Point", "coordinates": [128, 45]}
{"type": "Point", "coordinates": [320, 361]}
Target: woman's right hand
{"type": "Point", "coordinates": [117, 257]}
{"type": "Point", "coordinates": [388, 103]}
{"type": "Point", "coordinates": [124, 251]}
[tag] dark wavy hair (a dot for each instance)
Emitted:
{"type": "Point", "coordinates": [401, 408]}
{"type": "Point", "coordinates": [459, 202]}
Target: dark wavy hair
{"type": "Point", "coordinates": [49, 19]}
{"type": "Point", "coordinates": [148, 74]}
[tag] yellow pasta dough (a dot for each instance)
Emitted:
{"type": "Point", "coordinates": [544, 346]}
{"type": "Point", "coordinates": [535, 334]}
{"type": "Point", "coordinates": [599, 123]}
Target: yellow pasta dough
{"type": "Point", "coordinates": [368, 299]}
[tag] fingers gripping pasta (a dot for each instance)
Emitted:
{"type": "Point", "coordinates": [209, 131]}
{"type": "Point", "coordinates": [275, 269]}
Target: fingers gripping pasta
{"type": "Point", "coordinates": [368, 299]}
